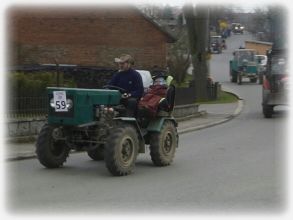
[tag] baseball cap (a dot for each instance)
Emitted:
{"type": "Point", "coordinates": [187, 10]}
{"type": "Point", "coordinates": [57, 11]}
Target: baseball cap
{"type": "Point", "coordinates": [124, 58]}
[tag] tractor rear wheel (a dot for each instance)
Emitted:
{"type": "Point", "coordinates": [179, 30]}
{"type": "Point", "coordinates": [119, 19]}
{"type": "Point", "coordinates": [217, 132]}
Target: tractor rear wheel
{"type": "Point", "coordinates": [163, 144]}
{"type": "Point", "coordinates": [51, 153]}
{"type": "Point", "coordinates": [121, 150]}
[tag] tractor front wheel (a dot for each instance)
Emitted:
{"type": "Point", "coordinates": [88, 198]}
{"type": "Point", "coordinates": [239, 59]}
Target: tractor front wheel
{"type": "Point", "coordinates": [121, 150]}
{"type": "Point", "coordinates": [163, 144]}
{"type": "Point", "coordinates": [51, 152]}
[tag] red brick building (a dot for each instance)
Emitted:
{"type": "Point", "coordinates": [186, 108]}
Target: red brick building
{"type": "Point", "coordinates": [85, 36]}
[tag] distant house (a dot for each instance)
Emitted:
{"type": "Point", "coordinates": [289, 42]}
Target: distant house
{"type": "Point", "coordinates": [261, 47]}
{"type": "Point", "coordinates": [85, 36]}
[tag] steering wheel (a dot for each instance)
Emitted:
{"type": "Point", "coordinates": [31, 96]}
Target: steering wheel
{"type": "Point", "coordinates": [121, 90]}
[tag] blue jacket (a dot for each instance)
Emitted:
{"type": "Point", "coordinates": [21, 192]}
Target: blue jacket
{"type": "Point", "coordinates": [129, 80]}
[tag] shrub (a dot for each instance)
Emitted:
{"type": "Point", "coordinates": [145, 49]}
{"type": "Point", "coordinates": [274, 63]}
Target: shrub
{"type": "Point", "coordinates": [34, 84]}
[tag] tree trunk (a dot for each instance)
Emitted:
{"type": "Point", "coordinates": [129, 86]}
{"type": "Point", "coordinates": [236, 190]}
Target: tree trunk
{"type": "Point", "coordinates": [197, 27]}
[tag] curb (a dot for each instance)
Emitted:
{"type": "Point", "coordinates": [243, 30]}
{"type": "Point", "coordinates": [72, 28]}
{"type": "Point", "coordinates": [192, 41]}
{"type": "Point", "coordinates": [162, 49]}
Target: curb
{"type": "Point", "coordinates": [228, 118]}
{"type": "Point", "coordinates": [238, 110]}
{"type": "Point", "coordinates": [196, 115]}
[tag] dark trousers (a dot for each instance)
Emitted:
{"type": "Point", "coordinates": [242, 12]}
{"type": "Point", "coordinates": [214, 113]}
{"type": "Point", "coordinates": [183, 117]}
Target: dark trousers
{"type": "Point", "coordinates": [131, 106]}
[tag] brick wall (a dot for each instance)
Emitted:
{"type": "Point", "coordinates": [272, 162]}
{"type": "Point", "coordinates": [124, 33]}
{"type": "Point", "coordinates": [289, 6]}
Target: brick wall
{"type": "Point", "coordinates": [91, 37]}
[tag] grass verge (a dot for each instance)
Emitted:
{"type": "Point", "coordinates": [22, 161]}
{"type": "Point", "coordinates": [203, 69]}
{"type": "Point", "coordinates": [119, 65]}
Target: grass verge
{"type": "Point", "coordinates": [224, 97]}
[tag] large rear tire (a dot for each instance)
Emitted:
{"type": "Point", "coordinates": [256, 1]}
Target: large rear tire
{"type": "Point", "coordinates": [50, 152]}
{"type": "Point", "coordinates": [163, 144]}
{"type": "Point", "coordinates": [121, 150]}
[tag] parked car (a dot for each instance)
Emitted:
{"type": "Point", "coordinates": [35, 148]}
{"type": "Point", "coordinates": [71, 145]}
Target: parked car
{"type": "Point", "coordinates": [276, 82]}
{"type": "Point", "coordinates": [243, 65]}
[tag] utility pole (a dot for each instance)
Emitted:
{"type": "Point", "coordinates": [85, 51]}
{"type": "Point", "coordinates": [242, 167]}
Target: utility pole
{"type": "Point", "coordinates": [197, 22]}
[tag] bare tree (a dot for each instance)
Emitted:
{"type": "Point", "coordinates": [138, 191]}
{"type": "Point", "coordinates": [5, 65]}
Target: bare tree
{"type": "Point", "coordinates": [179, 58]}
{"type": "Point", "coordinates": [197, 28]}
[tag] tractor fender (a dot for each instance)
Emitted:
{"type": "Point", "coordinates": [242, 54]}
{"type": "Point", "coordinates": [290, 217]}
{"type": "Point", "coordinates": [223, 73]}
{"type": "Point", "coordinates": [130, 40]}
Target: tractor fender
{"type": "Point", "coordinates": [157, 123]}
{"type": "Point", "coordinates": [134, 123]}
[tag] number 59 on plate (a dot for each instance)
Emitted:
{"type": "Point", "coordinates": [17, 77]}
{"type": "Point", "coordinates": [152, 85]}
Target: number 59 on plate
{"type": "Point", "coordinates": [60, 101]}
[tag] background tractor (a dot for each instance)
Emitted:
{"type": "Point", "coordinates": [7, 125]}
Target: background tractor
{"type": "Point", "coordinates": [243, 65]}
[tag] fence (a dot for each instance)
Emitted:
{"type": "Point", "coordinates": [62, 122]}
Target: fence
{"type": "Point", "coordinates": [185, 96]}
{"type": "Point", "coordinates": [34, 103]}
{"type": "Point", "coordinates": [213, 91]}
{"type": "Point", "coordinates": [85, 77]}
{"type": "Point", "coordinates": [19, 107]}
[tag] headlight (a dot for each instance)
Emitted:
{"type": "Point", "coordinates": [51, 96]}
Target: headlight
{"type": "Point", "coordinates": [236, 28]}
{"type": "Point", "coordinates": [241, 27]}
{"type": "Point", "coordinates": [52, 104]}
{"type": "Point", "coordinates": [69, 103]}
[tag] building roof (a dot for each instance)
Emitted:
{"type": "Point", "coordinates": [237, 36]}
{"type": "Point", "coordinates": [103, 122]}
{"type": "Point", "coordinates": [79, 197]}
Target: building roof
{"type": "Point", "coordinates": [260, 42]}
{"type": "Point", "coordinates": [171, 38]}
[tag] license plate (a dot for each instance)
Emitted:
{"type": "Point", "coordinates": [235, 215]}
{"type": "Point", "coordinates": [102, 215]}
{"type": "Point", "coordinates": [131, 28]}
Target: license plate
{"type": "Point", "coordinates": [60, 104]}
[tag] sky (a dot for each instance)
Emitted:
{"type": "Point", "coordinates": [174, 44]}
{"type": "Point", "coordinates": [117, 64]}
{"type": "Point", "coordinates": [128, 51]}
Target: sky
{"type": "Point", "coordinates": [245, 5]}
{"type": "Point", "coordinates": [240, 5]}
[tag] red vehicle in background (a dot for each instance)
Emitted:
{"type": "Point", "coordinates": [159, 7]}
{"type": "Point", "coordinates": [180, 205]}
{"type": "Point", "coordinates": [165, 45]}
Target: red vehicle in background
{"type": "Point", "coordinates": [275, 82]}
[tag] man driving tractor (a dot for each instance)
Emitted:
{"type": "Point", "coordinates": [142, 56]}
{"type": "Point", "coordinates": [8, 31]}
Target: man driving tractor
{"type": "Point", "coordinates": [129, 80]}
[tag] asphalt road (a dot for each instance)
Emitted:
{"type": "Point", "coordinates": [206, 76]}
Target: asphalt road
{"type": "Point", "coordinates": [236, 167]}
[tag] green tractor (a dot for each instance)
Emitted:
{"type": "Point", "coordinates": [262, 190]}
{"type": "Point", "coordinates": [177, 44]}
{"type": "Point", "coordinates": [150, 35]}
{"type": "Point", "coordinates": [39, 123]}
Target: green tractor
{"type": "Point", "coordinates": [93, 120]}
{"type": "Point", "coordinates": [243, 65]}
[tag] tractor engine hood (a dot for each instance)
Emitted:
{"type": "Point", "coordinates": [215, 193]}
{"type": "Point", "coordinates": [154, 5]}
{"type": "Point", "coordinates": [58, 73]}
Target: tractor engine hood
{"type": "Point", "coordinates": [75, 106]}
